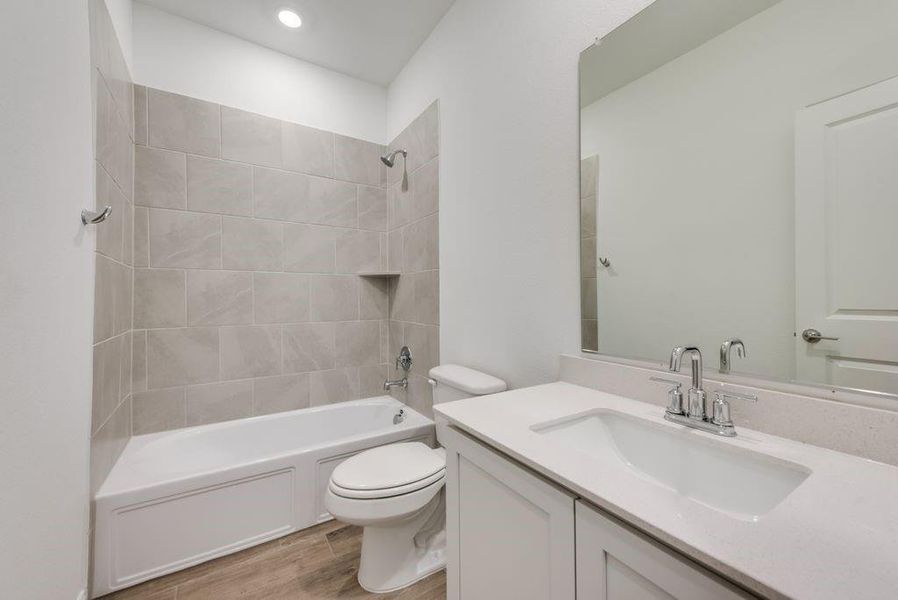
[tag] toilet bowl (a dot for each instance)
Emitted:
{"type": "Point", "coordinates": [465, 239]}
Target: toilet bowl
{"type": "Point", "coordinates": [396, 493]}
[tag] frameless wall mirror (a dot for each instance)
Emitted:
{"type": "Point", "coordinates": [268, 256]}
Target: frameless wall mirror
{"type": "Point", "coordinates": [739, 179]}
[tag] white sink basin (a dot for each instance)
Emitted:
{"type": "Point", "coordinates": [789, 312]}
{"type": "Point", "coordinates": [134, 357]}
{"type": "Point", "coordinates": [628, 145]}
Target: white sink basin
{"type": "Point", "coordinates": [718, 474]}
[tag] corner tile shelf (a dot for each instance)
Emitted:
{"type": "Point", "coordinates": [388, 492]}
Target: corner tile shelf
{"type": "Point", "coordinates": [380, 274]}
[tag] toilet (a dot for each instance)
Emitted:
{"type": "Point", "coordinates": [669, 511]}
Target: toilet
{"type": "Point", "coordinates": [396, 493]}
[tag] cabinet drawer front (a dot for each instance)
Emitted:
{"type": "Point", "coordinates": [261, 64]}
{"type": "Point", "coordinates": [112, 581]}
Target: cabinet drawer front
{"type": "Point", "coordinates": [617, 563]}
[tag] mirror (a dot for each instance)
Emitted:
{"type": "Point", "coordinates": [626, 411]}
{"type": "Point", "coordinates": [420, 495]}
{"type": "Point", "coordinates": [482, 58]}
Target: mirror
{"type": "Point", "coordinates": [739, 180]}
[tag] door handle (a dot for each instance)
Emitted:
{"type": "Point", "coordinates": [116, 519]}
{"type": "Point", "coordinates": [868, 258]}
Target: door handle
{"type": "Point", "coordinates": [812, 336]}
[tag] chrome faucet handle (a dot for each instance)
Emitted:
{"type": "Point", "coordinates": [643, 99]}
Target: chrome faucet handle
{"type": "Point", "coordinates": [674, 395]}
{"type": "Point", "coordinates": [404, 360]}
{"type": "Point", "coordinates": [720, 414]}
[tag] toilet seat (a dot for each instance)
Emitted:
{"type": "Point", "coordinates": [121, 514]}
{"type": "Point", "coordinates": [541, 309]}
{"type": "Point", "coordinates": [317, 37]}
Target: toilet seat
{"type": "Point", "coordinates": [389, 471]}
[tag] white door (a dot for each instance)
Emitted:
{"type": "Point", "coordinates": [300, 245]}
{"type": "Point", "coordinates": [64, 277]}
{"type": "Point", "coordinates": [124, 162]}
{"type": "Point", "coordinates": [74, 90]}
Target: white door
{"type": "Point", "coordinates": [615, 562]}
{"type": "Point", "coordinates": [847, 239]}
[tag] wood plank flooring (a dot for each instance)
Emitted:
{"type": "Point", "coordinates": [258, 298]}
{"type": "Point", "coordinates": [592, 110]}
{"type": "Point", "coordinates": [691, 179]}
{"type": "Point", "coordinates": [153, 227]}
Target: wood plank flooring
{"type": "Point", "coordinates": [315, 564]}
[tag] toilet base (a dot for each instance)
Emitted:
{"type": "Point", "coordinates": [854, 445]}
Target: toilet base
{"type": "Point", "coordinates": [398, 555]}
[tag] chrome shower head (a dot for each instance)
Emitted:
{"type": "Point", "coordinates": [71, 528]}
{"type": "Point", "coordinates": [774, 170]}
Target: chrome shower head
{"type": "Point", "coordinates": [390, 159]}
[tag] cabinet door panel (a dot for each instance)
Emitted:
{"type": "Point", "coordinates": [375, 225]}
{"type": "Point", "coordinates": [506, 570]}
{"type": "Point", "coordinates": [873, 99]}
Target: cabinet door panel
{"type": "Point", "coordinates": [512, 534]}
{"type": "Point", "coordinates": [615, 562]}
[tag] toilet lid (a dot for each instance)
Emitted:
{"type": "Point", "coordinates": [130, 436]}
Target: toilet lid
{"type": "Point", "coordinates": [391, 466]}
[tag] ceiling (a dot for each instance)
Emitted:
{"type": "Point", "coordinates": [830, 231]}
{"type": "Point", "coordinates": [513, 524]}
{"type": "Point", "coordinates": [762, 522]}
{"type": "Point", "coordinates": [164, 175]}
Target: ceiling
{"type": "Point", "coordinates": [367, 39]}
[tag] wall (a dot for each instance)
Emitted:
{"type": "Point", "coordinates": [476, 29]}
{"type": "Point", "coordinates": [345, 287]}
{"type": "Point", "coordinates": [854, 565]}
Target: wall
{"type": "Point", "coordinates": [250, 233]}
{"type": "Point", "coordinates": [414, 253]}
{"type": "Point", "coordinates": [114, 185]}
{"type": "Point", "coordinates": [715, 130]}
{"type": "Point", "coordinates": [505, 73]}
{"type": "Point", "coordinates": [121, 13]}
{"type": "Point", "coordinates": [180, 56]}
{"type": "Point", "coordinates": [46, 304]}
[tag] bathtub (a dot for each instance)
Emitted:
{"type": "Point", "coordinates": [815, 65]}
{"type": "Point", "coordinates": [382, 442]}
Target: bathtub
{"type": "Point", "coordinates": [178, 498]}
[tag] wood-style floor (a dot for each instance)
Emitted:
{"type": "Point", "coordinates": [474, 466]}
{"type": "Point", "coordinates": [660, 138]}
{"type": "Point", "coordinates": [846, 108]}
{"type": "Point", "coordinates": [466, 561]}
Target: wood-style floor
{"type": "Point", "coordinates": [315, 564]}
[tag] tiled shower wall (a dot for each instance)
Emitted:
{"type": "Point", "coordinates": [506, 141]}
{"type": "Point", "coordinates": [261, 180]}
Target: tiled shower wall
{"type": "Point", "coordinates": [114, 165]}
{"type": "Point", "coordinates": [414, 253]}
{"type": "Point", "coordinates": [589, 325]}
{"type": "Point", "coordinates": [250, 237]}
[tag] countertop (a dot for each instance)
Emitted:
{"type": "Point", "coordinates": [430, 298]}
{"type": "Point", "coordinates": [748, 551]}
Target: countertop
{"type": "Point", "coordinates": [834, 537]}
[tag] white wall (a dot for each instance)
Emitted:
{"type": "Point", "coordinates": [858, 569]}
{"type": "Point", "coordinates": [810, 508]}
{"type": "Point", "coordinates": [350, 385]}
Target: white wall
{"type": "Point", "coordinates": [698, 157]}
{"type": "Point", "coordinates": [505, 73]}
{"type": "Point", "coordinates": [46, 298]}
{"type": "Point", "coordinates": [120, 12]}
{"type": "Point", "coordinates": [178, 55]}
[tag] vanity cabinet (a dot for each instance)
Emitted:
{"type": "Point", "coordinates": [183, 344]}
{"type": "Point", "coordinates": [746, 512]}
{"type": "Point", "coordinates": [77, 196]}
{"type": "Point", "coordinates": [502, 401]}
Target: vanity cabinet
{"type": "Point", "coordinates": [513, 535]}
{"type": "Point", "coordinates": [510, 532]}
{"type": "Point", "coordinates": [616, 562]}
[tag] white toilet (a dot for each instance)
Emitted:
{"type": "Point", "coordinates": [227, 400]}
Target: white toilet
{"type": "Point", "coordinates": [396, 493]}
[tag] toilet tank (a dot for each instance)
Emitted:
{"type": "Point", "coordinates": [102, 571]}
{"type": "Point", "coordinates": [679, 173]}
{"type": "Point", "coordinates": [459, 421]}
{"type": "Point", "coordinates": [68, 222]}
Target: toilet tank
{"type": "Point", "coordinates": [454, 382]}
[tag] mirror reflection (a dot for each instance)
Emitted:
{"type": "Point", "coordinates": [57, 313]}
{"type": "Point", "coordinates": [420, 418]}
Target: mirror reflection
{"type": "Point", "coordinates": [739, 190]}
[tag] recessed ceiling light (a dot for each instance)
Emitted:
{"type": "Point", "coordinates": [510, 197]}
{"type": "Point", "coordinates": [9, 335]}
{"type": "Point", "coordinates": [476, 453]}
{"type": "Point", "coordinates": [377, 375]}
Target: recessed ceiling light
{"type": "Point", "coordinates": [289, 18]}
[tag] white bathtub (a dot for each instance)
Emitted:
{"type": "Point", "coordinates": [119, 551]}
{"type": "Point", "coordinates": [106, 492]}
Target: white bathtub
{"type": "Point", "coordinates": [178, 498]}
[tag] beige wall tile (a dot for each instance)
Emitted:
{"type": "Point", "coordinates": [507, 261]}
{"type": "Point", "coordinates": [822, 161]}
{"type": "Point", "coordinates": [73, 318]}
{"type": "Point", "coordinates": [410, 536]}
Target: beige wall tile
{"type": "Point", "coordinates": [181, 356]}
{"type": "Point", "coordinates": [334, 298]}
{"type": "Point", "coordinates": [159, 298]}
{"type": "Point", "coordinates": [330, 387]}
{"type": "Point", "coordinates": [304, 198]}
{"type": "Point", "coordinates": [358, 161]}
{"type": "Point", "coordinates": [110, 235]}
{"type": "Point", "coordinates": [307, 150]}
{"type": "Point", "coordinates": [422, 140]}
{"type": "Point", "coordinates": [394, 251]}
{"type": "Point", "coordinates": [280, 298]}
{"type": "Point", "coordinates": [588, 173]}
{"type": "Point", "coordinates": [112, 298]}
{"type": "Point", "coordinates": [309, 248]}
{"type": "Point", "coordinates": [357, 343]}
{"type": "Point", "coordinates": [371, 381]}
{"type": "Point", "coordinates": [216, 402]}
{"type": "Point", "coordinates": [128, 234]}
{"type": "Point", "coordinates": [588, 298]}
{"type": "Point", "coordinates": [279, 394]}
{"type": "Point", "coordinates": [358, 251]}
{"type": "Point", "coordinates": [160, 178]}
{"type": "Point", "coordinates": [184, 124]}
{"type": "Point", "coordinates": [185, 240]}
{"type": "Point", "coordinates": [219, 186]}
{"type": "Point", "coordinates": [106, 380]}
{"type": "Point", "coordinates": [219, 298]}
{"type": "Point", "coordinates": [107, 444]}
{"type": "Point", "coordinates": [250, 138]}
{"type": "Point", "coordinates": [420, 395]}
{"type": "Point", "coordinates": [373, 213]}
{"type": "Point", "coordinates": [252, 245]}
{"type": "Point", "coordinates": [159, 410]}
{"type": "Point", "coordinates": [139, 361]}
{"type": "Point", "coordinates": [126, 364]}
{"type": "Point", "coordinates": [425, 186]}
{"type": "Point", "coordinates": [250, 351]}
{"type": "Point", "coordinates": [141, 237]}
{"type": "Point", "coordinates": [420, 249]}
{"type": "Point", "coordinates": [402, 298]}
{"type": "Point", "coordinates": [309, 347]}
{"type": "Point", "coordinates": [588, 216]}
{"type": "Point", "coordinates": [427, 297]}
{"type": "Point", "coordinates": [588, 258]}
{"type": "Point", "coordinates": [397, 340]}
{"type": "Point", "coordinates": [399, 204]}
{"type": "Point", "coordinates": [140, 115]}
{"type": "Point", "coordinates": [114, 148]}
{"type": "Point", "coordinates": [374, 298]}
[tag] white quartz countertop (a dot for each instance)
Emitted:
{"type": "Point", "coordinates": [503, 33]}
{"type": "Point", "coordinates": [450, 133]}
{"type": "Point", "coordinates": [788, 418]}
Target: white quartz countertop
{"type": "Point", "coordinates": [835, 536]}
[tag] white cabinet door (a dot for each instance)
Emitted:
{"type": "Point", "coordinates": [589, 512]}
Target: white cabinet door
{"type": "Point", "coordinates": [846, 210]}
{"type": "Point", "coordinates": [615, 562]}
{"type": "Point", "coordinates": [510, 533]}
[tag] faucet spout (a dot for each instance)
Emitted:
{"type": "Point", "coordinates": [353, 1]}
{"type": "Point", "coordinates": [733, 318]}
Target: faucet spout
{"type": "Point", "coordinates": [696, 405]}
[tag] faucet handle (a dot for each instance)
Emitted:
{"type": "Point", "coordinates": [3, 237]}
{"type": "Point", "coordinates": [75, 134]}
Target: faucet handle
{"type": "Point", "coordinates": [674, 395]}
{"type": "Point", "coordinates": [720, 415]}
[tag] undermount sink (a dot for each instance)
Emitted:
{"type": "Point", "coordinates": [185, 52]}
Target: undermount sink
{"type": "Point", "coordinates": [722, 476]}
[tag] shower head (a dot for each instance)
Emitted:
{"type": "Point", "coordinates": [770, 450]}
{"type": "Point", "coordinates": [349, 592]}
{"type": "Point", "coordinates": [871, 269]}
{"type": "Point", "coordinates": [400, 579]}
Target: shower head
{"type": "Point", "coordinates": [390, 159]}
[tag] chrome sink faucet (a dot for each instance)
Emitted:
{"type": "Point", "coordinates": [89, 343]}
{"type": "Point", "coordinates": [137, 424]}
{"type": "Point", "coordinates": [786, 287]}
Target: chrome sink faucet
{"type": "Point", "coordinates": [694, 414]}
{"type": "Point", "coordinates": [695, 406]}
{"type": "Point", "coordinates": [726, 350]}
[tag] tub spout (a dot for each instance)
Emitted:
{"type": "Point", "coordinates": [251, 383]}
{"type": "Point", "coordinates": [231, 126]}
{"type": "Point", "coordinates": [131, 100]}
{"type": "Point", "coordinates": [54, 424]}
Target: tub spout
{"type": "Point", "coordinates": [400, 383]}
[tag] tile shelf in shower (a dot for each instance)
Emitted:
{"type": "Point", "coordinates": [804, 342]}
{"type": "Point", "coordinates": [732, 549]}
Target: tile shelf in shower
{"type": "Point", "coordinates": [380, 274]}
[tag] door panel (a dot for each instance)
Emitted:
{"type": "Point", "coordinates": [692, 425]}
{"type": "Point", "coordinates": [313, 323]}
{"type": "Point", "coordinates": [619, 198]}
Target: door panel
{"type": "Point", "coordinates": [846, 243]}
